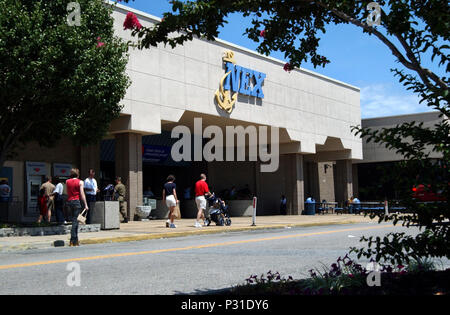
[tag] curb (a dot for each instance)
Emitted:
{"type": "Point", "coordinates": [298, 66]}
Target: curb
{"type": "Point", "coordinates": [143, 237]}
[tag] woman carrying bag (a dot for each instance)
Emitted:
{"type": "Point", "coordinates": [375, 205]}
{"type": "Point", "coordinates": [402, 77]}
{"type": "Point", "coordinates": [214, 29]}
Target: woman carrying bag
{"type": "Point", "coordinates": [75, 191]}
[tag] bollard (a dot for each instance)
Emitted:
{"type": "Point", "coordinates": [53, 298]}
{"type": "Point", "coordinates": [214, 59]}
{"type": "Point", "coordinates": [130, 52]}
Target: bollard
{"type": "Point", "coordinates": [254, 211]}
{"type": "Point", "coordinates": [386, 207]}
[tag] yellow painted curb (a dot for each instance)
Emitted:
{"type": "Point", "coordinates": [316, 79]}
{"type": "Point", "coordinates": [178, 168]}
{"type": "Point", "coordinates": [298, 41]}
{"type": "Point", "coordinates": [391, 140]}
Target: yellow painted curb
{"type": "Point", "coordinates": [144, 237]}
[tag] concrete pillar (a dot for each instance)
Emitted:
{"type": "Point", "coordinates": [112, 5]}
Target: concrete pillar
{"type": "Point", "coordinates": [90, 158]}
{"type": "Point", "coordinates": [128, 163]}
{"type": "Point", "coordinates": [343, 180]}
{"type": "Point", "coordinates": [312, 187]}
{"type": "Point", "coordinates": [355, 181]}
{"type": "Point", "coordinates": [257, 192]}
{"type": "Point", "coordinates": [294, 184]}
{"type": "Point", "coordinates": [326, 181]}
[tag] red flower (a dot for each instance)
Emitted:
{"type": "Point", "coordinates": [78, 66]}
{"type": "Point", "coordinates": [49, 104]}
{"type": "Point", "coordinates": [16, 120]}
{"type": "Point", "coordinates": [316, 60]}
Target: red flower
{"type": "Point", "coordinates": [262, 33]}
{"type": "Point", "coordinates": [288, 67]}
{"type": "Point", "coordinates": [99, 43]}
{"type": "Point", "coordinates": [131, 22]}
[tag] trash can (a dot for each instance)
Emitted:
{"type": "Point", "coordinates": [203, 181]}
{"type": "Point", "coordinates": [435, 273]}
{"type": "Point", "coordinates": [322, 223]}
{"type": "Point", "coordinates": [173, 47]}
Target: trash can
{"type": "Point", "coordinates": [106, 213]}
{"type": "Point", "coordinates": [310, 208]}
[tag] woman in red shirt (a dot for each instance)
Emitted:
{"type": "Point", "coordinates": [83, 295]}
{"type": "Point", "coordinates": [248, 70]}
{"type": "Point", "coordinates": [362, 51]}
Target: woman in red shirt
{"type": "Point", "coordinates": [75, 191]}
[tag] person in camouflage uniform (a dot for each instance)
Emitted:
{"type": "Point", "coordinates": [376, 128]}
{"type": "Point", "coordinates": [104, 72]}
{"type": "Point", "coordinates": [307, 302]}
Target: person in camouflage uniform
{"type": "Point", "coordinates": [120, 194]}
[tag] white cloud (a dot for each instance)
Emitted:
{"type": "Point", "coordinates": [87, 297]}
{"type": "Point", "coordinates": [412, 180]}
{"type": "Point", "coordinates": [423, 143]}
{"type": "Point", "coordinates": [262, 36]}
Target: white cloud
{"type": "Point", "coordinates": [383, 100]}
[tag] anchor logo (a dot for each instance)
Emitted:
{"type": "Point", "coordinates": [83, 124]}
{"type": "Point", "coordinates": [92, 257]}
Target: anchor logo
{"type": "Point", "coordinates": [223, 97]}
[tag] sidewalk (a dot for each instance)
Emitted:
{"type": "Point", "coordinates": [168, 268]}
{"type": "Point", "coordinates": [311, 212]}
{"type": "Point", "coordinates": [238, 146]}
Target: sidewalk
{"type": "Point", "coordinates": [154, 229]}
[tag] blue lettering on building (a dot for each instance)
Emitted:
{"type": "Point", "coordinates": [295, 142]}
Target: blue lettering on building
{"type": "Point", "coordinates": [243, 80]}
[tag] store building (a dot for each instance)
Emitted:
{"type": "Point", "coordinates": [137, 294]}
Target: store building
{"type": "Point", "coordinates": [312, 114]}
{"type": "Point", "coordinates": [370, 185]}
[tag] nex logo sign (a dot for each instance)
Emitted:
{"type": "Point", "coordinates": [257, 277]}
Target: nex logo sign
{"type": "Point", "coordinates": [244, 76]}
{"type": "Point", "coordinates": [237, 79]}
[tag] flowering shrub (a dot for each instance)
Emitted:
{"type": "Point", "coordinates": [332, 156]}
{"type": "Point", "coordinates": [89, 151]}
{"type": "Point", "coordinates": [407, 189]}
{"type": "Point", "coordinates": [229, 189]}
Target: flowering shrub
{"type": "Point", "coordinates": [343, 274]}
{"type": "Point", "coordinates": [99, 42]}
{"type": "Point", "coordinates": [343, 277]}
{"type": "Point", "coordinates": [131, 22]}
{"type": "Point", "coordinates": [288, 67]}
{"type": "Point", "coordinates": [271, 277]}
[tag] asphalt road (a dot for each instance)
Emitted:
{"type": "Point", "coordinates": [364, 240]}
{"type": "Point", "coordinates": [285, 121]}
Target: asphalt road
{"type": "Point", "coordinates": [185, 265]}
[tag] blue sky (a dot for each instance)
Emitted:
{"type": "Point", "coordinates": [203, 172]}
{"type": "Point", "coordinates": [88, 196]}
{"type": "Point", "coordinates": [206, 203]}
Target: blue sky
{"type": "Point", "coordinates": [356, 58]}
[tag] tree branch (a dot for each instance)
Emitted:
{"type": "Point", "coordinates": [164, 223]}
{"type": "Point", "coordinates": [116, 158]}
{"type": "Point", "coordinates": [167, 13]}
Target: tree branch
{"type": "Point", "coordinates": [412, 65]}
{"type": "Point", "coordinates": [423, 73]}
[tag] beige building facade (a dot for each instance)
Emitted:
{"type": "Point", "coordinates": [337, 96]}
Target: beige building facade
{"type": "Point", "coordinates": [312, 114]}
{"type": "Point", "coordinates": [376, 156]}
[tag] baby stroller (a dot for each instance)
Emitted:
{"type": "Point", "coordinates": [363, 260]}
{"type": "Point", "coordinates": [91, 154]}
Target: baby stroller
{"type": "Point", "coordinates": [218, 212]}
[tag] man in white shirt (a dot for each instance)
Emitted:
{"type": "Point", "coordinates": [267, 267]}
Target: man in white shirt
{"type": "Point", "coordinates": [91, 190]}
{"type": "Point", "coordinates": [58, 193]}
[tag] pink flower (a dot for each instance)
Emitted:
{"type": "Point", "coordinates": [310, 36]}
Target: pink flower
{"type": "Point", "coordinates": [262, 33]}
{"type": "Point", "coordinates": [131, 22]}
{"type": "Point", "coordinates": [99, 43]}
{"type": "Point", "coordinates": [288, 67]}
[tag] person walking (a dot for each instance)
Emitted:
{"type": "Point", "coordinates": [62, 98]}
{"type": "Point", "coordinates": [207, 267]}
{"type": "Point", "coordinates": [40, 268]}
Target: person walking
{"type": "Point", "coordinates": [170, 197]}
{"type": "Point", "coordinates": [283, 205]}
{"type": "Point", "coordinates": [120, 192]}
{"type": "Point", "coordinates": [201, 189]}
{"type": "Point", "coordinates": [91, 190]}
{"type": "Point", "coordinates": [75, 192]}
{"type": "Point", "coordinates": [59, 202]}
{"type": "Point", "coordinates": [48, 189]}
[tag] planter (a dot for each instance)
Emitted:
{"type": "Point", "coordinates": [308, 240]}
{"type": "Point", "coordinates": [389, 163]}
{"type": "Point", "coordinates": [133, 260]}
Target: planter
{"type": "Point", "coordinates": [142, 212]}
{"type": "Point", "coordinates": [106, 213]}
